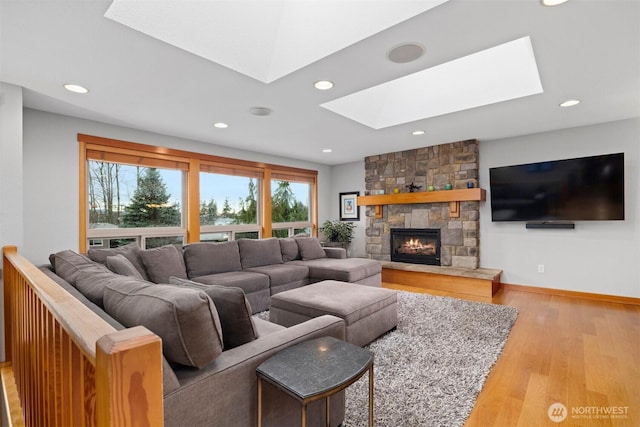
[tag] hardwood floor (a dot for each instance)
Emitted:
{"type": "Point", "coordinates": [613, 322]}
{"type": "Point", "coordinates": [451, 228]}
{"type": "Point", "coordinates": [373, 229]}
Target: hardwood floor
{"type": "Point", "coordinates": [579, 352]}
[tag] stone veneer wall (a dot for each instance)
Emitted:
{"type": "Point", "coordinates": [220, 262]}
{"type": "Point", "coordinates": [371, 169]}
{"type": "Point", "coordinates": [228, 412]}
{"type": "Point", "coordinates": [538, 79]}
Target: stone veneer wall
{"type": "Point", "coordinates": [455, 163]}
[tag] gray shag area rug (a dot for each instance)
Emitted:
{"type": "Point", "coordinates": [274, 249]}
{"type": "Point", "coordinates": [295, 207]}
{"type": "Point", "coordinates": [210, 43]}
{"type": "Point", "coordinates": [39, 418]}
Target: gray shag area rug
{"type": "Point", "coordinates": [430, 370]}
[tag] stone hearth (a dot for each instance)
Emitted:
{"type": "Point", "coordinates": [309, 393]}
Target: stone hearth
{"type": "Point", "coordinates": [455, 163]}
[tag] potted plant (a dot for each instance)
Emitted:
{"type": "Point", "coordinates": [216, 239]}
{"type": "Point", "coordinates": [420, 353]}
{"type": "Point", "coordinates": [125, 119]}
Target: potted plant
{"type": "Point", "coordinates": [338, 232]}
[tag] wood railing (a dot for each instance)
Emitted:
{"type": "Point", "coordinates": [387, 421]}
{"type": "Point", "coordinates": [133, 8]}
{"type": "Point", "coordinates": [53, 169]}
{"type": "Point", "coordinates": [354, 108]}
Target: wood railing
{"type": "Point", "coordinates": [65, 366]}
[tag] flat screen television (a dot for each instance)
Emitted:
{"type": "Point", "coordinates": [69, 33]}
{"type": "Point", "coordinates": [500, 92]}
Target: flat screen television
{"type": "Point", "coordinates": [580, 189]}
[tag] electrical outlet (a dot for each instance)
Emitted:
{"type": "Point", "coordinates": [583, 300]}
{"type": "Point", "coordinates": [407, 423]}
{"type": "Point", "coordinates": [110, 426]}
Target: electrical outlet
{"type": "Point", "coordinates": [540, 268]}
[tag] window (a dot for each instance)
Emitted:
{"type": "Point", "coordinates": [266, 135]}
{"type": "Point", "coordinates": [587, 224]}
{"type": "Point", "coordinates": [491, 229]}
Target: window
{"type": "Point", "coordinates": [290, 206]}
{"type": "Point", "coordinates": [158, 196]}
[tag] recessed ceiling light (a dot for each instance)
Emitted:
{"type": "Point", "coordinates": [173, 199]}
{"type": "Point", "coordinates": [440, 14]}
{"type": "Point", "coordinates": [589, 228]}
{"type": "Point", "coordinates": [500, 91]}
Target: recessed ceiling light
{"type": "Point", "coordinates": [221, 125]}
{"type": "Point", "coordinates": [405, 52]}
{"type": "Point", "coordinates": [260, 111]}
{"type": "Point", "coordinates": [323, 85]}
{"type": "Point", "coordinates": [570, 103]}
{"type": "Point", "coordinates": [327, 150]}
{"type": "Point", "coordinates": [75, 88]}
{"type": "Point", "coordinates": [417, 132]}
{"type": "Point", "coordinates": [552, 2]}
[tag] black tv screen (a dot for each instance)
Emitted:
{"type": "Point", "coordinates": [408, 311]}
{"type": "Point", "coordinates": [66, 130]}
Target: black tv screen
{"type": "Point", "coordinates": [586, 188]}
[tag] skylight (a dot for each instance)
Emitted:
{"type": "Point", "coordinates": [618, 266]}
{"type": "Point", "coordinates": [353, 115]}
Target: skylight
{"type": "Point", "coordinates": [265, 40]}
{"type": "Point", "coordinates": [498, 74]}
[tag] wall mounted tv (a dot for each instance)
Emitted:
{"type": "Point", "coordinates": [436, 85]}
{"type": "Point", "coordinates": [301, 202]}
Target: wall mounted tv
{"type": "Point", "coordinates": [586, 188]}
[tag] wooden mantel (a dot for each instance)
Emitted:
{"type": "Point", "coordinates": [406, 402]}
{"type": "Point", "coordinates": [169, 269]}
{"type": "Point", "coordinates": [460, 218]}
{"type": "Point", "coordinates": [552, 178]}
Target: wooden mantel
{"type": "Point", "coordinates": [453, 197]}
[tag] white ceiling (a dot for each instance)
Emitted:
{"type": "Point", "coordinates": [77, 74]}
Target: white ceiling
{"type": "Point", "coordinates": [585, 49]}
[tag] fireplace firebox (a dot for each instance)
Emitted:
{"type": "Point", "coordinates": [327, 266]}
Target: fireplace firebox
{"type": "Point", "coordinates": [416, 245]}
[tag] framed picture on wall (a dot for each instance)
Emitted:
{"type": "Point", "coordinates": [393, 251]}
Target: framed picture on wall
{"type": "Point", "coordinates": [349, 209]}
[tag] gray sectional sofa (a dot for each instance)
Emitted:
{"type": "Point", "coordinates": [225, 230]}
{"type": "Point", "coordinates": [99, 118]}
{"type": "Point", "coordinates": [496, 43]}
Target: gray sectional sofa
{"type": "Point", "coordinates": [265, 267]}
{"type": "Point", "coordinates": [199, 300]}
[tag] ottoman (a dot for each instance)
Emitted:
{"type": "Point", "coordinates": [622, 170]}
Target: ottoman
{"type": "Point", "coordinates": [367, 311]}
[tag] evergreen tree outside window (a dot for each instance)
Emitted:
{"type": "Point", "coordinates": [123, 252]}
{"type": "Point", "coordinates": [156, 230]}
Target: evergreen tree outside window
{"type": "Point", "coordinates": [151, 205]}
{"type": "Point", "coordinates": [125, 196]}
{"type": "Point", "coordinates": [290, 206]}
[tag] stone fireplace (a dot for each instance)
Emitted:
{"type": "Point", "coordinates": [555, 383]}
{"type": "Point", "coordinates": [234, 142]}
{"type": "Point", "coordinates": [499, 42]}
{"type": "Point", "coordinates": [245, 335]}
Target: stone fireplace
{"type": "Point", "coordinates": [456, 164]}
{"type": "Point", "coordinates": [415, 245]}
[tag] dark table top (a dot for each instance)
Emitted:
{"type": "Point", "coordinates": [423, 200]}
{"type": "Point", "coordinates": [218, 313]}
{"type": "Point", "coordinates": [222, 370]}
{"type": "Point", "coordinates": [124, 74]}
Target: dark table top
{"type": "Point", "coordinates": [315, 367]}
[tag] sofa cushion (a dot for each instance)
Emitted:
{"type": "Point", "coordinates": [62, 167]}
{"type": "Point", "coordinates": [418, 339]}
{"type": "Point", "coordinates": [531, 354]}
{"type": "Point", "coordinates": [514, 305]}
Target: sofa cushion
{"type": "Point", "coordinates": [281, 274]}
{"type": "Point", "coordinates": [289, 249]}
{"type": "Point", "coordinates": [248, 281]}
{"type": "Point", "coordinates": [185, 319]}
{"type": "Point", "coordinates": [343, 270]}
{"type": "Point", "coordinates": [233, 309]}
{"type": "Point", "coordinates": [163, 262]}
{"type": "Point", "coordinates": [259, 252]}
{"type": "Point", "coordinates": [91, 283]}
{"type": "Point", "coordinates": [202, 259]}
{"type": "Point", "coordinates": [310, 248]}
{"type": "Point", "coordinates": [67, 264]}
{"type": "Point", "coordinates": [121, 265]}
{"type": "Point", "coordinates": [130, 251]}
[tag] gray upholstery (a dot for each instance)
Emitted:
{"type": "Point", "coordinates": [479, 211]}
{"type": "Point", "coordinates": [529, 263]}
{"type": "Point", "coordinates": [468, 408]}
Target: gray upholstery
{"type": "Point", "coordinates": [257, 267]}
{"type": "Point", "coordinates": [254, 285]}
{"type": "Point", "coordinates": [92, 283]}
{"type": "Point", "coordinates": [121, 265]}
{"type": "Point", "coordinates": [310, 248]}
{"type": "Point", "coordinates": [259, 252]}
{"type": "Point", "coordinates": [224, 392]}
{"type": "Point", "coordinates": [367, 312]}
{"type": "Point", "coordinates": [163, 262]}
{"type": "Point", "coordinates": [130, 251]}
{"type": "Point", "coordinates": [67, 264]}
{"type": "Point", "coordinates": [233, 309]}
{"type": "Point", "coordinates": [202, 259]}
{"type": "Point", "coordinates": [281, 274]}
{"type": "Point", "coordinates": [169, 379]}
{"type": "Point", "coordinates": [185, 319]}
{"type": "Point", "coordinates": [289, 249]}
{"type": "Point", "coordinates": [344, 270]}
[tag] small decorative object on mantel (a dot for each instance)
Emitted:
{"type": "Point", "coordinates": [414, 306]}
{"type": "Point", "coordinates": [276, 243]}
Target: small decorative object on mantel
{"type": "Point", "coordinates": [448, 186]}
{"type": "Point", "coordinates": [470, 184]}
{"type": "Point", "coordinates": [413, 188]}
{"type": "Point", "coordinates": [431, 188]}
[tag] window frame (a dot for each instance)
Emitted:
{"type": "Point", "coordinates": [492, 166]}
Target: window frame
{"type": "Point", "coordinates": [191, 163]}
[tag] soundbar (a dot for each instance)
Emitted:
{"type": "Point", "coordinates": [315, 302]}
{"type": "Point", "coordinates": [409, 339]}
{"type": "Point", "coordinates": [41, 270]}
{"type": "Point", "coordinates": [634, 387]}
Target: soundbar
{"type": "Point", "coordinates": [551, 225]}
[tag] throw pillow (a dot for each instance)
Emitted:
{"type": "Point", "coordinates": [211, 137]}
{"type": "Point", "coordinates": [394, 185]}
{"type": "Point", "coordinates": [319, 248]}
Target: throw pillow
{"type": "Point", "coordinates": [202, 259]}
{"type": "Point", "coordinates": [130, 251]}
{"type": "Point", "coordinates": [121, 265]}
{"type": "Point", "coordinates": [67, 264]}
{"type": "Point", "coordinates": [163, 262]}
{"type": "Point", "coordinates": [310, 248]}
{"type": "Point", "coordinates": [91, 283]}
{"type": "Point", "coordinates": [259, 252]}
{"type": "Point", "coordinates": [185, 319]}
{"type": "Point", "coordinates": [233, 309]}
{"type": "Point", "coordinates": [289, 249]}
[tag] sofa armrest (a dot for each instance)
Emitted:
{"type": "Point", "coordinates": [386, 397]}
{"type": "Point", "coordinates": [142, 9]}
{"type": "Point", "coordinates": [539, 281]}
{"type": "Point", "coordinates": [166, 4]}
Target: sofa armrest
{"type": "Point", "coordinates": [229, 384]}
{"type": "Point", "coordinates": [337, 253]}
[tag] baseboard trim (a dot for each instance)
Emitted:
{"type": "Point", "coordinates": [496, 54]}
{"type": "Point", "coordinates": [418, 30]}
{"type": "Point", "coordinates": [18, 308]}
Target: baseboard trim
{"type": "Point", "coordinates": [572, 294]}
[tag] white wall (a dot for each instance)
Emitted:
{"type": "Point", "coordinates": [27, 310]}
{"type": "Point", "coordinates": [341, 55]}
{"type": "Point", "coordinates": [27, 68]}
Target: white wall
{"type": "Point", "coordinates": [349, 177]}
{"type": "Point", "coordinates": [11, 229]}
{"type": "Point", "coordinates": [51, 176]}
{"type": "Point", "coordinates": [600, 257]}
